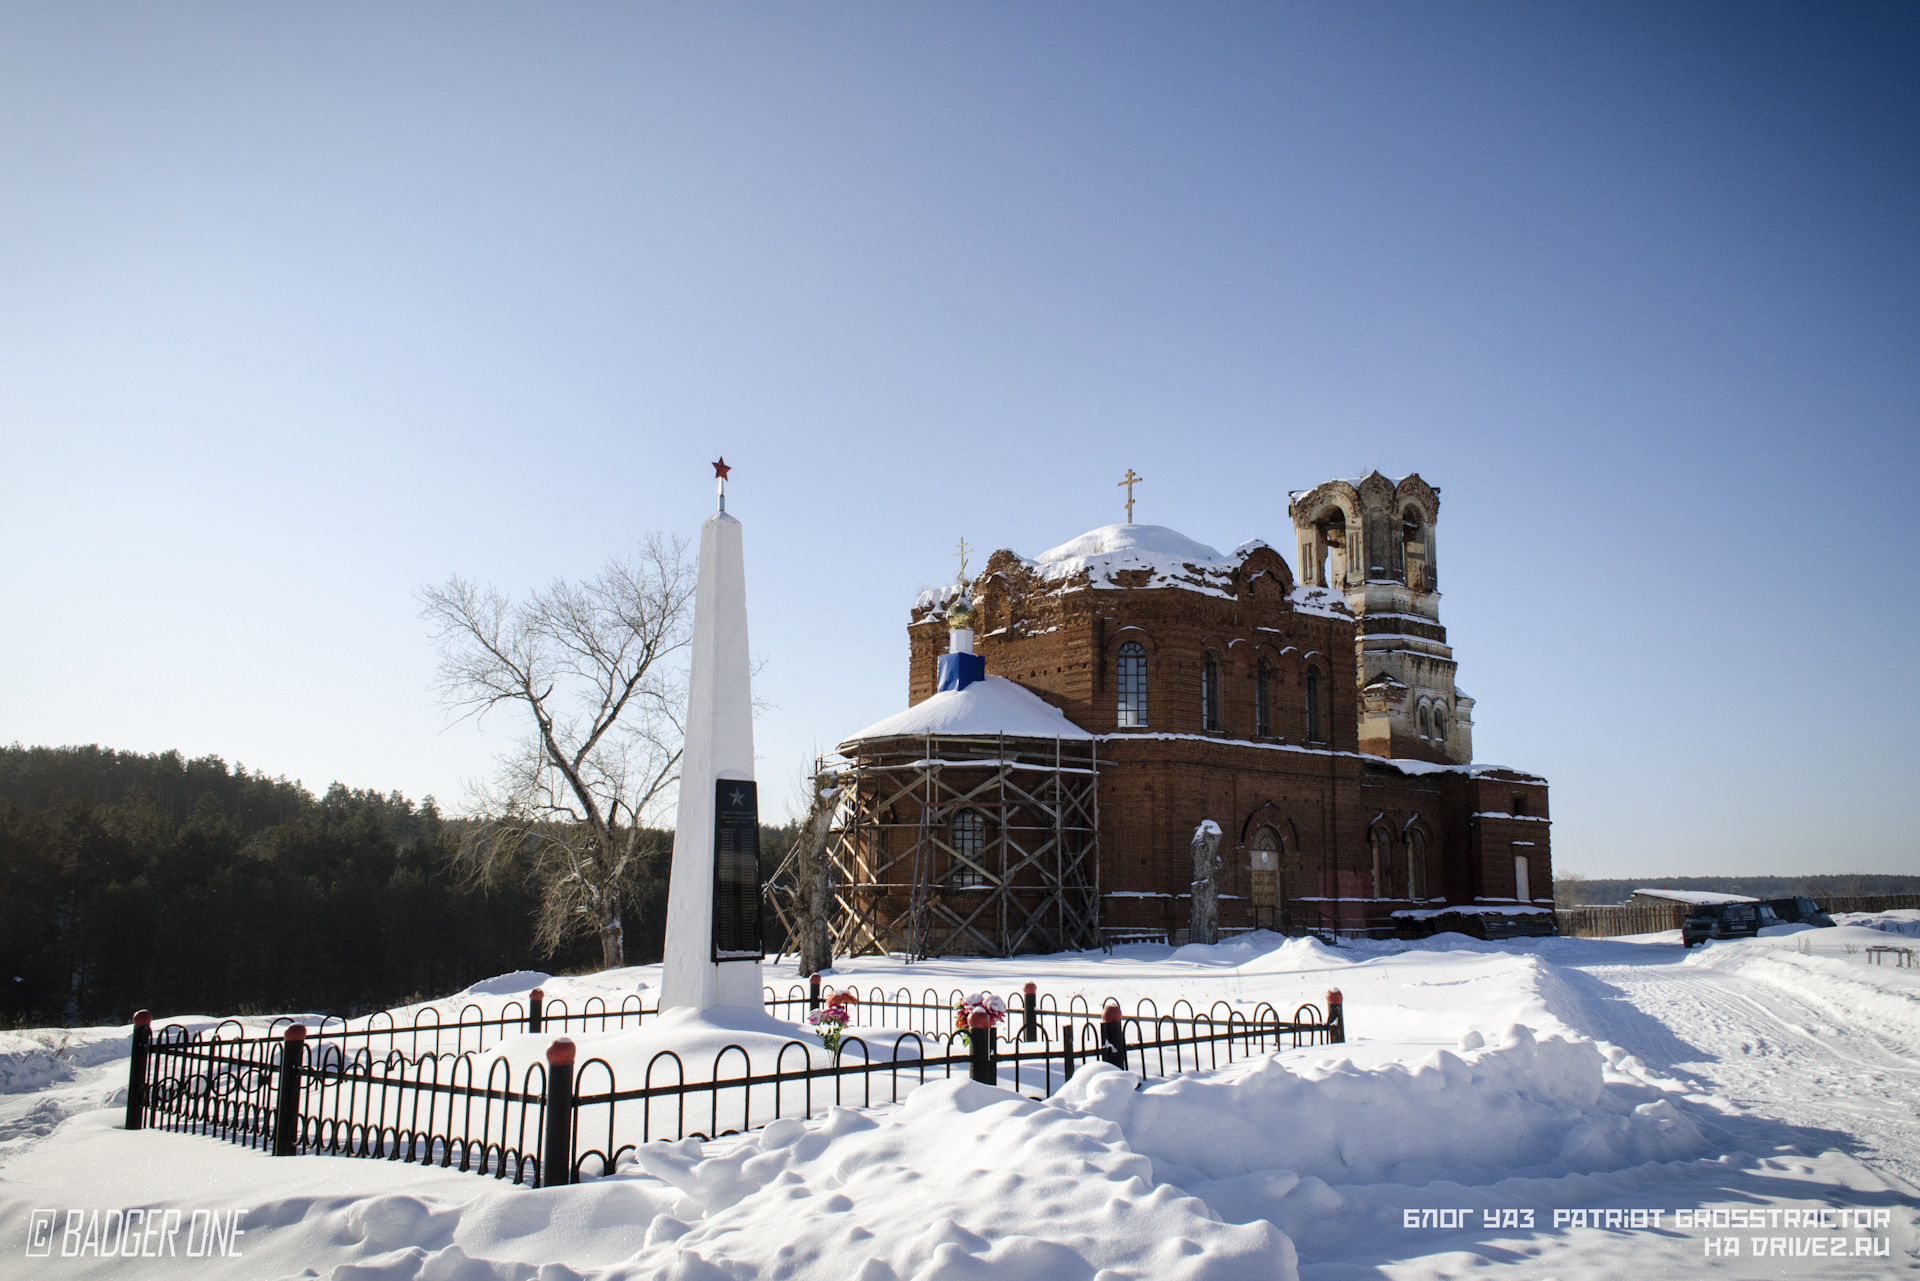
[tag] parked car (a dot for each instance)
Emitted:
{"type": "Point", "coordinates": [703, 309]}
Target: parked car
{"type": "Point", "coordinates": [1802, 910]}
{"type": "Point", "coordinates": [1725, 921]}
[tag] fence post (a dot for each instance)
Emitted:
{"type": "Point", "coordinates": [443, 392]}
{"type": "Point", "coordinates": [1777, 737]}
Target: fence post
{"type": "Point", "coordinates": [137, 1070]}
{"type": "Point", "coordinates": [1030, 1030]}
{"type": "Point", "coordinates": [556, 1162]}
{"type": "Point", "coordinates": [286, 1120]}
{"type": "Point", "coordinates": [534, 1000]}
{"type": "Point", "coordinates": [813, 991]}
{"type": "Point", "coordinates": [1070, 1046]}
{"type": "Point", "coordinates": [1336, 1017]}
{"type": "Point", "coordinates": [1114, 1034]}
{"type": "Point", "coordinates": [980, 1039]}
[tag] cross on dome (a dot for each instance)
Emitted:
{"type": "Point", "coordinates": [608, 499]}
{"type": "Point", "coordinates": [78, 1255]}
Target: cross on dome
{"type": "Point", "coordinates": [1129, 481]}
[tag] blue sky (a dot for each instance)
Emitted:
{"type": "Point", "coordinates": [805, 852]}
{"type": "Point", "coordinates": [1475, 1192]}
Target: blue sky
{"type": "Point", "coordinates": [303, 309]}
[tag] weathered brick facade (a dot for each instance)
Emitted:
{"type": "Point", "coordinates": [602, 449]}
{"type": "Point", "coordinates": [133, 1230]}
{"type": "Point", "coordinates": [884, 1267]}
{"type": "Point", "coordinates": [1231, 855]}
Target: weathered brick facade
{"type": "Point", "coordinates": [1355, 834]}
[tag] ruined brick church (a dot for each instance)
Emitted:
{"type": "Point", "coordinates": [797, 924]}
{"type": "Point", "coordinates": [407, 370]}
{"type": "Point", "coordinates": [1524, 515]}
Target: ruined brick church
{"type": "Point", "coordinates": [1074, 717]}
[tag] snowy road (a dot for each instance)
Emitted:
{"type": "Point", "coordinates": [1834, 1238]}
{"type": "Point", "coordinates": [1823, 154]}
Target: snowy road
{"type": "Point", "coordinates": [1770, 1059]}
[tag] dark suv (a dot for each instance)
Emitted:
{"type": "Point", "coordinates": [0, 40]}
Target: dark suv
{"type": "Point", "coordinates": [1802, 910]}
{"type": "Point", "coordinates": [1726, 921]}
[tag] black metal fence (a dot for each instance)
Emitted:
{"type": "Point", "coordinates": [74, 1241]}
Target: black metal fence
{"type": "Point", "coordinates": [448, 1092]}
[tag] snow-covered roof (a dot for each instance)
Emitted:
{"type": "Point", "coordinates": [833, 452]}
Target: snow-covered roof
{"type": "Point", "coordinates": [1170, 558]}
{"type": "Point", "coordinates": [1694, 896]}
{"type": "Point", "coordinates": [992, 705]}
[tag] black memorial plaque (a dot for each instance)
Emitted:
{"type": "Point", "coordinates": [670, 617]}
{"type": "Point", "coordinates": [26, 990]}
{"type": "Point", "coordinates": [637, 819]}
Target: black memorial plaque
{"type": "Point", "coordinates": [736, 870]}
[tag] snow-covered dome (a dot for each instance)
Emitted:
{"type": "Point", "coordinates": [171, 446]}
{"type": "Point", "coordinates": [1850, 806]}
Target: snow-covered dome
{"type": "Point", "coordinates": [1131, 547]}
{"type": "Point", "coordinates": [1168, 556]}
{"type": "Point", "coordinates": [991, 705]}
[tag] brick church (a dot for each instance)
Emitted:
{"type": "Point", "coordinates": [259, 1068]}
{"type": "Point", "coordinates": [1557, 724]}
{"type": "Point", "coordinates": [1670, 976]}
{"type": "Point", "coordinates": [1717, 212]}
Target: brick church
{"type": "Point", "coordinates": [1074, 717]}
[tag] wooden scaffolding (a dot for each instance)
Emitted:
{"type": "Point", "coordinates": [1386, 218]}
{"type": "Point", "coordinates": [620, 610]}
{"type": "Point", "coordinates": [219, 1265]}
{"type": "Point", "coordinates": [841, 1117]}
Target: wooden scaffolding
{"type": "Point", "coordinates": [983, 845]}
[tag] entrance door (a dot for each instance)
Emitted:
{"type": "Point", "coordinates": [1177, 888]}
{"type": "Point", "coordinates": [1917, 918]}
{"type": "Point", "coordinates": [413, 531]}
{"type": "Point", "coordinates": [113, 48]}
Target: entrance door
{"type": "Point", "coordinates": [1264, 879]}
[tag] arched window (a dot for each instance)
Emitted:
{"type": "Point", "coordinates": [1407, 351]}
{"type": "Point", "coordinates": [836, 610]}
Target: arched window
{"type": "Point", "coordinates": [969, 851]}
{"type": "Point", "coordinates": [1133, 685]}
{"type": "Point", "coordinates": [1426, 721]}
{"type": "Point", "coordinates": [1439, 723]}
{"type": "Point", "coordinates": [1382, 844]}
{"type": "Point", "coordinates": [1316, 730]}
{"type": "Point", "coordinates": [1416, 863]}
{"type": "Point", "coordinates": [1413, 549]}
{"type": "Point", "coordinates": [1263, 700]}
{"type": "Point", "coordinates": [1210, 691]}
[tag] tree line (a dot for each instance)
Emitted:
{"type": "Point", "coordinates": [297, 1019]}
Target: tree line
{"type": "Point", "coordinates": [132, 880]}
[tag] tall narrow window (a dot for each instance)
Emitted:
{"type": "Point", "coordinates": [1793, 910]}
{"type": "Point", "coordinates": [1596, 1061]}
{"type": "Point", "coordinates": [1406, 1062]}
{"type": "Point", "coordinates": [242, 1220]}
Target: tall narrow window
{"type": "Point", "coordinates": [1426, 721]}
{"type": "Point", "coordinates": [1133, 685]}
{"type": "Point", "coordinates": [1439, 723]}
{"type": "Point", "coordinates": [1416, 864]}
{"type": "Point", "coordinates": [1315, 727]}
{"type": "Point", "coordinates": [1263, 700]}
{"type": "Point", "coordinates": [1382, 861]}
{"type": "Point", "coordinates": [1522, 886]}
{"type": "Point", "coordinates": [1210, 692]}
{"type": "Point", "coordinates": [1413, 546]}
{"type": "Point", "coordinates": [969, 850]}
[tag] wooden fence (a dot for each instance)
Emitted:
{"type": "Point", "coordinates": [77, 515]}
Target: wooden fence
{"type": "Point", "coordinates": [1623, 918]}
{"type": "Point", "coordinates": [1866, 902]}
{"type": "Point", "coordinates": [1646, 918]}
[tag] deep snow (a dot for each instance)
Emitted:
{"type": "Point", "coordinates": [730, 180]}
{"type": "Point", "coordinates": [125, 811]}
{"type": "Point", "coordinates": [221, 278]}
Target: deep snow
{"type": "Point", "coordinates": [1511, 1080]}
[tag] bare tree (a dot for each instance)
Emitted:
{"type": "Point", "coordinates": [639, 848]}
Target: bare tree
{"type": "Point", "coordinates": [813, 881]}
{"type": "Point", "coordinates": [591, 664]}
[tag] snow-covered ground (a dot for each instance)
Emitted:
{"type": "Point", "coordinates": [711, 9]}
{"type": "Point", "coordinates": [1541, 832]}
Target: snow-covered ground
{"type": "Point", "coordinates": [1541, 1108]}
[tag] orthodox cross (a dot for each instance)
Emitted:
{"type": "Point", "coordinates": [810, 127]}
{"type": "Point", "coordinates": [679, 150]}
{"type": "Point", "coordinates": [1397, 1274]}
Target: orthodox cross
{"type": "Point", "coordinates": [1130, 481]}
{"type": "Point", "coordinates": [720, 470]}
{"type": "Point", "coordinates": [962, 554]}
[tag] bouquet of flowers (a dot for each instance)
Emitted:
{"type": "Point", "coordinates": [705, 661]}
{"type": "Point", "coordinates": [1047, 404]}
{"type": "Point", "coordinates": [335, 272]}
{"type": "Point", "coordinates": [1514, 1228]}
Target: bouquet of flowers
{"type": "Point", "coordinates": [831, 1020]}
{"type": "Point", "coordinates": [994, 1008]}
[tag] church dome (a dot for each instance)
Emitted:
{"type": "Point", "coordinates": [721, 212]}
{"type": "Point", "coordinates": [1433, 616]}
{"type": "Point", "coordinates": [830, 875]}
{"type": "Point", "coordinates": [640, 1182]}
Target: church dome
{"type": "Point", "coordinates": [1142, 544]}
{"type": "Point", "coordinates": [1169, 558]}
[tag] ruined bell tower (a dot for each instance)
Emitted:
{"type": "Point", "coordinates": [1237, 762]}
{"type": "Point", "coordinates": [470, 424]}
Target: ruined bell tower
{"type": "Point", "coordinates": [1373, 539]}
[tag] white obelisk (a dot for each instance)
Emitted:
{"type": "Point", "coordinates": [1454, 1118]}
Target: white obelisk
{"type": "Point", "coordinates": [719, 747]}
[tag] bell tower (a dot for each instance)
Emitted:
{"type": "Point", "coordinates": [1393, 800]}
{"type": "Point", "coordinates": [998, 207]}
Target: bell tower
{"type": "Point", "coordinates": [1373, 540]}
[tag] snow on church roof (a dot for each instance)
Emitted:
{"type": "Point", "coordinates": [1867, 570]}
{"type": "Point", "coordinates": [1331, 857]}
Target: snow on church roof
{"type": "Point", "coordinates": [1170, 558]}
{"type": "Point", "coordinates": [991, 705]}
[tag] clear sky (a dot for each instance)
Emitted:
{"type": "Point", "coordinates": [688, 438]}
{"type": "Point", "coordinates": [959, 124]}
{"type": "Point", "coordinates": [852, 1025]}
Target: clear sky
{"type": "Point", "coordinates": [302, 307]}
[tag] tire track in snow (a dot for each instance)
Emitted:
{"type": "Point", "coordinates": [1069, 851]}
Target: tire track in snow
{"type": "Point", "coordinates": [1772, 1055]}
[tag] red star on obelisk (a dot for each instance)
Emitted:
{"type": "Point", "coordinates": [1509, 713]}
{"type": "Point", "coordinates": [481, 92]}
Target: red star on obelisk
{"type": "Point", "coordinates": [720, 473]}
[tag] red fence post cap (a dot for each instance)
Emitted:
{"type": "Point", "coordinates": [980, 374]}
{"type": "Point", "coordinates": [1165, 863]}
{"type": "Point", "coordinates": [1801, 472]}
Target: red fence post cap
{"type": "Point", "coordinates": [298, 1032]}
{"type": "Point", "coordinates": [142, 1019]}
{"type": "Point", "coordinates": [979, 1019]}
{"type": "Point", "coordinates": [538, 994]}
{"type": "Point", "coordinates": [814, 979]}
{"type": "Point", "coordinates": [1110, 1015]}
{"type": "Point", "coordinates": [1029, 988]}
{"type": "Point", "coordinates": [560, 1053]}
{"type": "Point", "coordinates": [1333, 996]}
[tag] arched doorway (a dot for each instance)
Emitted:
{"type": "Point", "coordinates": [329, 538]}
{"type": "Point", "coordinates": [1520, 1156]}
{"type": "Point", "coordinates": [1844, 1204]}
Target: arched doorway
{"type": "Point", "coordinates": [1263, 890]}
